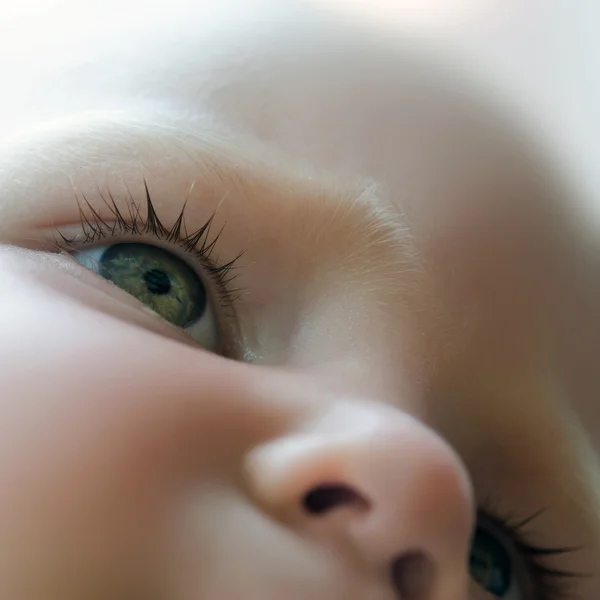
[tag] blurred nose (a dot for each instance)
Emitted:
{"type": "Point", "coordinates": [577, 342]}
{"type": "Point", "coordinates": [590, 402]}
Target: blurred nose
{"type": "Point", "coordinates": [378, 487]}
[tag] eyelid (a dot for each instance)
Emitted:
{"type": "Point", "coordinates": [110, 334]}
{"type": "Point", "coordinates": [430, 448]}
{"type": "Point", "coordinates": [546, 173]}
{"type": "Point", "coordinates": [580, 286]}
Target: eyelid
{"type": "Point", "coordinates": [197, 243]}
{"type": "Point", "coordinates": [63, 275]}
{"type": "Point", "coordinates": [76, 242]}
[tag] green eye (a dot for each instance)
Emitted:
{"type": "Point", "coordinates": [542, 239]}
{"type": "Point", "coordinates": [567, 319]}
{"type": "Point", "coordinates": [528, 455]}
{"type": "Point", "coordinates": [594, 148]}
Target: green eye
{"type": "Point", "coordinates": [159, 279]}
{"type": "Point", "coordinates": [490, 564]}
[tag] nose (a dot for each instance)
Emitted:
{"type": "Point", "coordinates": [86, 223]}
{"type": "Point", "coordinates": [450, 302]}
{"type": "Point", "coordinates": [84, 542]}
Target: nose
{"type": "Point", "coordinates": [378, 487]}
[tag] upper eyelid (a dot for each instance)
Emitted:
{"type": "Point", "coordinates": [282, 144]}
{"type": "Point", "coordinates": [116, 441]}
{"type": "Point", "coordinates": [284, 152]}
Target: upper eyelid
{"type": "Point", "coordinates": [199, 243]}
{"type": "Point", "coordinates": [168, 148]}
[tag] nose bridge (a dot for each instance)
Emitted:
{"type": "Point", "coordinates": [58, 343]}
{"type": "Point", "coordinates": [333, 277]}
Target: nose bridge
{"type": "Point", "coordinates": [353, 354]}
{"type": "Point", "coordinates": [378, 486]}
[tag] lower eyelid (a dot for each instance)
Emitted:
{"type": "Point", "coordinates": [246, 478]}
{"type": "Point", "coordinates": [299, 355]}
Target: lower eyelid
{"type": "Point", "coordinates": [94, 291]}
{"type": "Point", "coordinates": [230, 346]}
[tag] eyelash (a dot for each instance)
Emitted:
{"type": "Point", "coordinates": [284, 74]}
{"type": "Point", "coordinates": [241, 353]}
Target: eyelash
{"type": "Point", "coordinates": [547, 583]}
{"type": "Point", "coordinates": [198, 243]}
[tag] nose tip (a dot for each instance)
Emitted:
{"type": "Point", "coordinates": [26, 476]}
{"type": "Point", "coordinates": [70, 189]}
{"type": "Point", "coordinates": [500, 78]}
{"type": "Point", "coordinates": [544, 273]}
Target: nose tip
{"type": "Point", "coordinates": [379, 486]}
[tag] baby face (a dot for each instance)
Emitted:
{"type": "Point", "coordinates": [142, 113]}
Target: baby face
{"type": "Point", "coordinates": [285, 314]}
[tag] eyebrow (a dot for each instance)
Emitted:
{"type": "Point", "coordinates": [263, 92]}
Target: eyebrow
{"type": "Point", "coordinates": [263, 177]}
{"type": "Point", "coordinates": [374, 224]}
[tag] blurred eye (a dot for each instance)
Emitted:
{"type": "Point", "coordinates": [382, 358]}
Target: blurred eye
{"type": "Point", "coordinates": [491, 566]}
{"type": "Point", "coordinates": [162, 281]}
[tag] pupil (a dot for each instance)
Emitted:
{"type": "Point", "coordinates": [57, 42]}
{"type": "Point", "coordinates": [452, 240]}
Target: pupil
{"type": "Point", "coordinates": [157, 281]}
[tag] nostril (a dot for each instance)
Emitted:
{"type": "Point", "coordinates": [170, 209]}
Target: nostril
{"type": "Point", "coordinates": [325, 498]}
{"type": "Point", "coordinates": [412, 575]}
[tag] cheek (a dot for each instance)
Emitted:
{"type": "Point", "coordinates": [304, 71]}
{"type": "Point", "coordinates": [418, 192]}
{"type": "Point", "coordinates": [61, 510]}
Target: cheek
{"type": "Point", "coordinates": [98, 394]}
{"type": "Point", "coordinates": [102, 427]}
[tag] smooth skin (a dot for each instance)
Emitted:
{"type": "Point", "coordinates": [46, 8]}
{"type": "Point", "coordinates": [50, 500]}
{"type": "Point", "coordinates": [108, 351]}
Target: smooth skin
{"type": "Point", "coordinates": [415, 322]}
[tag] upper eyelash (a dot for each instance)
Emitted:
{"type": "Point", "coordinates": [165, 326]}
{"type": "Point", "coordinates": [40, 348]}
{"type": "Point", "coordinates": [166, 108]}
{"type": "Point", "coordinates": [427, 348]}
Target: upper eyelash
{"type": "Point", "coordinates": [198, 243]}
{"type": "Point", "coordinates": [549, 583]}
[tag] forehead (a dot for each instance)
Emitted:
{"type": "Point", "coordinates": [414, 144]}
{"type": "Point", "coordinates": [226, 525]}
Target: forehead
{"type": "Point", "coordinates": [280, 70]}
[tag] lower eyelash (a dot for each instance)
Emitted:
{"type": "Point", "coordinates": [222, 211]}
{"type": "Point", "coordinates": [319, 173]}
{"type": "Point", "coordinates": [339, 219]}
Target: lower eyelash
{"type": "Point", "coordinates": [198, 243]}
{"type": "Point", "coordinates": [548, 583]}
